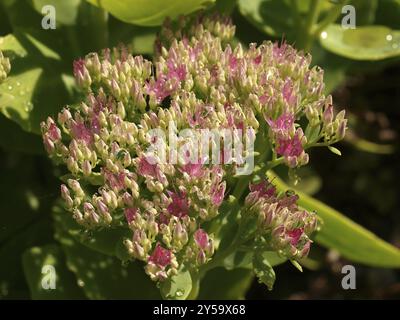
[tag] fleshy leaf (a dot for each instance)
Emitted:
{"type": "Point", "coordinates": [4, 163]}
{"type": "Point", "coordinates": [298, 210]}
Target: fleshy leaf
{"type": "Point", "coordinates": [35, 260]}
{"type": "Point", "coordinates": [105, 241]}
{"type": "Point", "coordinates": [34, 87]}
{"type": "Point", "coordinates": [221, 284]}
{"type": "Point", "coordinates": [271, 16]}
{"type": "Point", "coordinates": [362, 43]}
{"type": "Point", "coordinates": [105, 277]}
{"type": "Point", "coordinates": [334, 150]}
{"type": "Point", "coordinates": [263, 270]}
{"type": "Point", "coordinates": [66, 11]}
{"type": "Point", "coordinates": [178, 286]}
{"type": "Point", "coordinates": [149, 13]}
{"type": "Point", "coordinates": [276, 17]}
{"type": "Point", "coordinates": [344, 235]}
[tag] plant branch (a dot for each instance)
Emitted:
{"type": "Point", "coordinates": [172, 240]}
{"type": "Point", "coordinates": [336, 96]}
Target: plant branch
{"type": "Point", "coordinates": [306, 35]}
{"type": "Point", "coordinates": [296, 12]}
{"type": "Point", "coordinates": [330, 18]}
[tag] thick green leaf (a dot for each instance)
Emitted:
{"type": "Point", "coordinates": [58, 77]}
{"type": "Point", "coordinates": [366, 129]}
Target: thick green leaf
{"type": "Point", "coordinates": [239, 259]}
{"type": "Point", "coordinates": [263, 270]}
{"type": "Point", "coordinates": [278, 18]}
{"type": "Point", "coordinates": [273, 258]}
{"type": "Point", "coordinates": [16, 97]}
{"type": "Point", "coordinates": [105, 241]}
{"type": "Point", "coordinates": [35, 259]}
{"type": "Point", "coordinates": [39, 83]}
{"type": "Point", "coordinates": [347, 237]}
{"type": "Point", "coordinates": [66, 11]}
{"type": "Point", "coordinates": [335, 150]}
{"type": "Point", "coordinates": [221, 284]}
{"type": "Point", "coordinates": [309, 181]}
{"type": "Point", "coordinates": [34, 88]}
{"type": "Point", "coordinates": [362, 43]}
{"type": "Point", "coordinates": [12, 281]}
{"type": "Point", "coordinates": [271, 16]}
{"type": "Point", "coordinates": [244, 259]}
{"type": "Point", "coordinates": [150, 12]}
{"type": "Point", "coordinates": [139, 39]}
{"type": "Point", "coordinates": [105, 277]}
{"type": "Point", "coordinates": [225, 6]}
{"type": "Point", "coordinates": [334, 66]}
{"type": "Point", "coordinates": [178, 286]}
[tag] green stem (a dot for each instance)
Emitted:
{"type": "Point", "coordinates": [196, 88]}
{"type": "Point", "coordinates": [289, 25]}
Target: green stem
{"type": "Point", "coordinates": [99, 22]}
{"type": "Point", "coordinates": [270, 165]}
{"type": "Point", "coordinates": [195, 287]}
{"type": "Point", "coordinates": [331, 17]}
{"type": "Point", "coordinates": [274, 163]}
{"type": "Point", "coordinates": [243, 183]}
{"type": "Point", "coordinates": [73, 42]}
{"type": "Point", "coordinates": [296, 12]}
{"type": "Point", "coordinates": [217, 261]}
{"type": "Point", "coordinates": [235, 244]}
{"type": "Point", "coordinates": [306, 37]}
{"type": "Point", "coordinates": [319, 144]}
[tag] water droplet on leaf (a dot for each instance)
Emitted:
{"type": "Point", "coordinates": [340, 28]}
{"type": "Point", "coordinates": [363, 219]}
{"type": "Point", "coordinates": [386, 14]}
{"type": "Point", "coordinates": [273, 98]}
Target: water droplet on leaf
{"type": "Point", "coordinates": [81, 283]}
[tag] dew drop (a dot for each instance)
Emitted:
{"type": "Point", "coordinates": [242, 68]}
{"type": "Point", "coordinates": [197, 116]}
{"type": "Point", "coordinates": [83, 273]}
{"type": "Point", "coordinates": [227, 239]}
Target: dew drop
{"type": "Point", "coordinates": [28, 106]}
{"type": "Point", "coordinates": [10, 87]}
{"type": "Point", "coordinates": [18, 83]}
{"type": "Point", "coordinates": [180, 293]}
{"type": "Point", "coordinates": [81, 283]}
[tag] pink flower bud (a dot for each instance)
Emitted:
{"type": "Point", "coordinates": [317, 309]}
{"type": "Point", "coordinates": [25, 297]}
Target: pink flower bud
{"type": "Point", "coordinates": [294, 235]}
{"type": "Point", "coordinates": [179, 207]}
{"type": "Point", "coordinates": [201, 238]}
{"type": "Point", "coordinates": [328, 114]}
{"type": "Point", "coordinates": [64, 191]}
{"type": "Point", "coordinates": [130, 214]}
{"type": "Point", "coordinates": [48, 144]}
{"type": "Point", "coordinates": [217, 194]}
{"type": "Point", "coordinates": [160, 256]}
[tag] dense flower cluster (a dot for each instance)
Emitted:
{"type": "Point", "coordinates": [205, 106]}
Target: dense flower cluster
{"type": "Point", "coordinates": [198, 81]}
{"type": "Point", "coordinates": [5, 67]}
{"type": "Point", "coordinates": [282, 225]}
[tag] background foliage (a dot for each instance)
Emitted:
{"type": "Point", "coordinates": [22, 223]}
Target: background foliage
{"type": "Point", "coordinates": [362, 70]}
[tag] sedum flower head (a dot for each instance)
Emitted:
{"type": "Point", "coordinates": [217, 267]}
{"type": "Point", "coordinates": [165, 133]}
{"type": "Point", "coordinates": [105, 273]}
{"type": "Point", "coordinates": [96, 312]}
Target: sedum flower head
{"type": "Point", "coordinates": [282, 225]}
{"type": "Point", "coordinates": [199, 80]}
